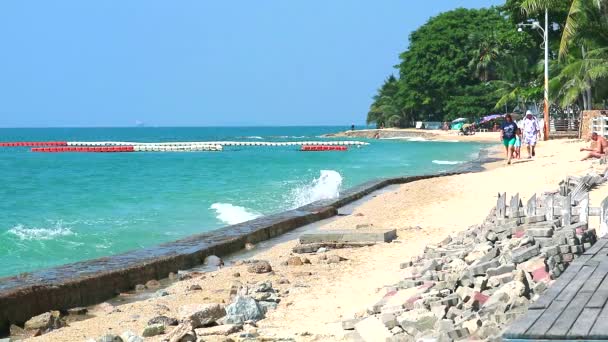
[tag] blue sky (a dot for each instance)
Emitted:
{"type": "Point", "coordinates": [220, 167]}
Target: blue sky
{"type": "Point", "coordinates": [200, 62]}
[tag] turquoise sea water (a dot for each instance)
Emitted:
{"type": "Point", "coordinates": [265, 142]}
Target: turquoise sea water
{"type": "Point", "coordinates": [57, 208]}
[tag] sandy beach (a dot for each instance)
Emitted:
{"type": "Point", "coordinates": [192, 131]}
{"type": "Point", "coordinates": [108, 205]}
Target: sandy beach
{"type": "Point", "coordinates": [316, 297]}
{"type": "Point", "coordinates": [413, 133]}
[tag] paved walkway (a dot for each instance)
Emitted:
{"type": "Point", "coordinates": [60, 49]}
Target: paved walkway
{"type": "Point", "coordinates": [574, 307]}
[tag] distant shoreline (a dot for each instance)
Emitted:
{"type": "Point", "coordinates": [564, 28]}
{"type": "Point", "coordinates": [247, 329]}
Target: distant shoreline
{"type": "Point", "coordinates": [409, 133]}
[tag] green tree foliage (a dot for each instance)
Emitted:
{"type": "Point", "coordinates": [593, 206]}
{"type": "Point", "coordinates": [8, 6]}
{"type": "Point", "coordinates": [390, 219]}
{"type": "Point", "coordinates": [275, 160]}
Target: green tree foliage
{"type": "Point", "coordinates": [449, 67]}
{"type": "Point", "coordinates": [472, 62]}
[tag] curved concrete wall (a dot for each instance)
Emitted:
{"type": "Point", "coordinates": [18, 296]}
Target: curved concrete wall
{"type": "Point", "coordinates": [94, 281]}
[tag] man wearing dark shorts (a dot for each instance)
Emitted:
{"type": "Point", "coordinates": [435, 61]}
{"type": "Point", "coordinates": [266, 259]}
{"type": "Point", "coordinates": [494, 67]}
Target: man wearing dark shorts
{"type": "Point", "coordinates": [507, 135]}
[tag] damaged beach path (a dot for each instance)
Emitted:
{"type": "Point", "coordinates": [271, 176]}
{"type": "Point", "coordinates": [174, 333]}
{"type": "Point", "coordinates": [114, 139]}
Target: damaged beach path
{"type": "Point", "coordinates": [310, 296]}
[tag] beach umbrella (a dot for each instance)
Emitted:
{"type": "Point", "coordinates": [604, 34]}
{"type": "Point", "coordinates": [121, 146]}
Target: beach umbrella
{"type": "Point", "coordinates": [459, 120]}
{"type": "Point", "coordinates": [490, 118]}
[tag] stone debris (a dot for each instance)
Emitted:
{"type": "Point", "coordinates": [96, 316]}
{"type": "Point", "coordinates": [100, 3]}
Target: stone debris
{"type": "Point", "coordinates": [200, 315]}
{"type": "Point", "coordinates": [164, 320]}
{"type": "Point", "coordinates": [153, 330]}
{"type": "Point", "coordinates": [260, 266]}
{"type": "Point", "coordinates": [475, 283]}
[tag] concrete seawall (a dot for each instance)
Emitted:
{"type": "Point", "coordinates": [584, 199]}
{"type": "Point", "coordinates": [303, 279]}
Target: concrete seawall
{"type": "Point", "coordinates": [94, 281]}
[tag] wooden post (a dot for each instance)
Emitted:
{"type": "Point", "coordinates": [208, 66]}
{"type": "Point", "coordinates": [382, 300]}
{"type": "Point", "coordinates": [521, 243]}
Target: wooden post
{"type": "Point", "coordinates": [566, 211]}
{"type": "Point", "coordinates": [549, 207]}
{"type": "Point", "coordinates": [531, 206]}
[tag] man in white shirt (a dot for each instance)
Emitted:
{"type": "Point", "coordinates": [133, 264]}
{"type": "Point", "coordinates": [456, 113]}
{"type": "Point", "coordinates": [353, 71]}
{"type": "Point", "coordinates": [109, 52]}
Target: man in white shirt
{"type": "Point", "coordinates": [531, 132]}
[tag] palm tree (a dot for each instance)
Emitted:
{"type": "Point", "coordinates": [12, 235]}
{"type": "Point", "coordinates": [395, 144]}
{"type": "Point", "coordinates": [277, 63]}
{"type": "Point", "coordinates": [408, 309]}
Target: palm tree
{"type": "Point", "coordinates": [483, 63]}
{"type": "Point", "coordinates": [578, 17]}
{"type": "Point", "coordinates": [578, 75]}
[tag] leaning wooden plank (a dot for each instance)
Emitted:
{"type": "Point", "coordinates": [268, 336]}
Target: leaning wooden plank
{"type": "Point", "coordinates": [584, 323]}
{"type": "Point", "coordinates": [519, 327]}
{"type": "Point", "coordinates": [378, 235]}
{"type": "Point", "coordinates": [566, 320]}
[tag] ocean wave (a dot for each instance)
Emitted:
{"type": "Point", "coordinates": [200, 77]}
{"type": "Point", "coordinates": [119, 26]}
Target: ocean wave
{"type": "Point", "coordinates": [327, 186]}
{"type": "Point", "coordinates": [24, 233]}
{"type": "Point", "coordinates": [447, 162]}
{"type": "Point", "coordinates": [233, 214]}
{"type": "Point", "coordinates": [254, 137]}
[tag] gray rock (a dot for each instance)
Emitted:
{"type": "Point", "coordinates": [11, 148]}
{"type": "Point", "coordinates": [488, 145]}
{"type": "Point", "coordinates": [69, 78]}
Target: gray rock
{"type": "Point", "coordinates": [153, 330]}
{"type": "Point", "coordinates": [224, 330]}
{"type": "Point", "coordinates": [78, 311]}
{"type": "Point", "coordinates": [140, 287]}
{"type": "Point", "coordinates": [153, 284]}
{"type": "Point", "coordinates": [263, 287]}
{"type": "Point", "coordinates": [195, 287]}
{"type": "Point", "coordinates": [129, 336]}
{"type": "Point", "coordinates": [334, 259]}
{"type": "Point", "coordinates": [161, 293]}
{"type": "Point", "coordinates": [109, 338]}
{"type": "Point", "coordinates": [200, 315]}
{"type": "Point", "coordinates": [243, 309]}
{"type": "Point", "coordinates": [164, 320]}
{"type": "Point", "coordinates": [45, 322]}
{"type": "Point", "coordinates": [260, 266]}
{"type": "Point", "coordinates": [214, 261]}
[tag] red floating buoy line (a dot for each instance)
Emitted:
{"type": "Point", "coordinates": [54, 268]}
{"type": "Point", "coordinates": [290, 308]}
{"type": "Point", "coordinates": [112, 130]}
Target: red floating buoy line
{"type": "Point", "coordinates": [33, 143]}
{"type": "Point", "coordinates": [196, 146]}
{"type": "Point", "coordinates": [317, 148]}
{"type": "Point", "coordinates": [85, 149]}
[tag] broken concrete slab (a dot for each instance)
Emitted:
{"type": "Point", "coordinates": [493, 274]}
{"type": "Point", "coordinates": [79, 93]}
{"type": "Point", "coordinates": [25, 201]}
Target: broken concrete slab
{"type": "Point", "coordinates": [367, 235]}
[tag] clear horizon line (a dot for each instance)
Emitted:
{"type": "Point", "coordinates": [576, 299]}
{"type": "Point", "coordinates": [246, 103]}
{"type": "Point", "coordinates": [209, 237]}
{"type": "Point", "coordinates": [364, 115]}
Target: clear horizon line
{"type": "Point", "coordinates": [185, 126]}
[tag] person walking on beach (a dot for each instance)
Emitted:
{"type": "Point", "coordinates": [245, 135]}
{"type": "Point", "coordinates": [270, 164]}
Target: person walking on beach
{"type": "Point", "coordinates": [601, 146]}
{"type": "Point", "coordinates": [531, 133]}
{"type": "Point", "coordinates": [507, 135]}
{"type": "Point", "coordinates": [517, 154]}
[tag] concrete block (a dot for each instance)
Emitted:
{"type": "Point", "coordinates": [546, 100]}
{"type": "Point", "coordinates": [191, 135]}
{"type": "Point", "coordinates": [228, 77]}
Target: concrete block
{"type": "Point", "coordinates": [540, 232]}
{"type": "Point", "coordinates": [502, 269]}
{"type": "Point", "coordinates": [371, 329]}
{"type": "Point", "coordinates": [481, 268]}
{"type": "Point", "coordinates": [522, 254]}
{"type": "Point", "coordinates": [371, 235]}
{"type": "Point", "coordinates": [349, 324]}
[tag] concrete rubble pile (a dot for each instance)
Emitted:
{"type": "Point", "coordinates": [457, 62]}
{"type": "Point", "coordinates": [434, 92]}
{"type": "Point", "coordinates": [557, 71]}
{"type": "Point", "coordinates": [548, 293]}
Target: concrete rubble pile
{"type": "Point", "coordinates": [474, 283]}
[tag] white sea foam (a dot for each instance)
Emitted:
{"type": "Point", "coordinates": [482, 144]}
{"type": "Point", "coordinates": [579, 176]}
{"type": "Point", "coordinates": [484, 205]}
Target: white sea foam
{"type": "Point", "coordinates": [25, 233]}
{"type": "Point", "coordinates": [233, 214]}
{"type": "Point", "coordinates": [447, 162]}
{"type": "Point", "coordinates": [254, 137]}
{"type": "Point", "coordinates": [327, 186]}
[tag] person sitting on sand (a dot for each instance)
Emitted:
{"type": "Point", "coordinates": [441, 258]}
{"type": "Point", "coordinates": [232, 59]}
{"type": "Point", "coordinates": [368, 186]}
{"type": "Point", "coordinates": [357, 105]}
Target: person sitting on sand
{"type": "Point", "coordinates": [507, 135]}
{"type": "Point", "coordinates": [601, 145]}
